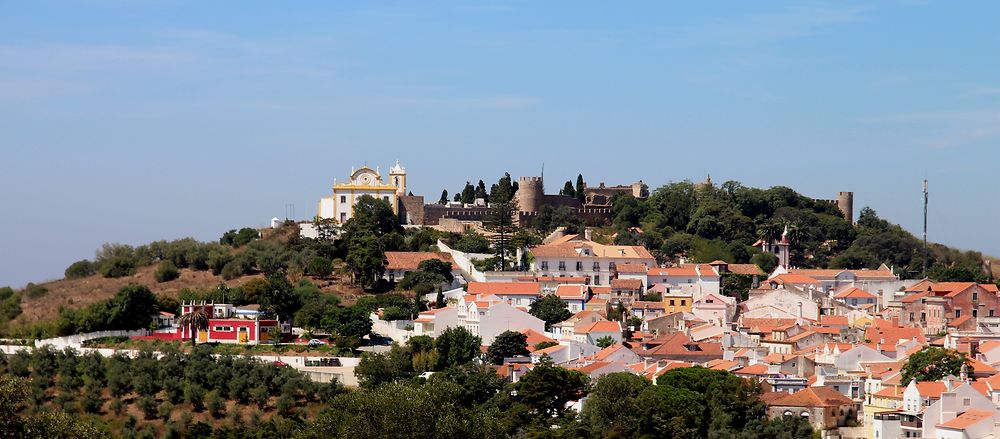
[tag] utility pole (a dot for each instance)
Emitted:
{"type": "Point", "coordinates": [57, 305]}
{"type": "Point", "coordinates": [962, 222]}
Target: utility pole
{"type": "Point", "coordinates": [925, 228]}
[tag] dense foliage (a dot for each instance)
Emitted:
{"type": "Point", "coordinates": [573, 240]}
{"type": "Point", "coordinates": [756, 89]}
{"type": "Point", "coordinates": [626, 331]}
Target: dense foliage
{"type": "Point", "coordinates": [65, 392]}
{"type": "Point", "coordinates": [933, 364]}
{"type": "Point", "coordinates": [704, 223]}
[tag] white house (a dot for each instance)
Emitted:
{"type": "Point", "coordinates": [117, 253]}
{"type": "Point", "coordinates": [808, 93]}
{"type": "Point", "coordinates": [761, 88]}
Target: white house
{"type": "Point", "coordinates": [521, 294]}
{"type": "Point", "coordinates": [696, 279]}
{"type": "Point", "coordinates": [595, 331]}
{"type": "Point", "coordinates": [713, 308]}
{"type": "Point", "coordinates": [575, 255]}
{"type": "Point", "coordinates": [575, 296]}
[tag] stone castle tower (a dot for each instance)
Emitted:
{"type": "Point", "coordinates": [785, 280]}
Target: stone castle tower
{"type": "Point", "coordinates": [530, 193]}
{"type": "Point", "coordinates": [845, 201]}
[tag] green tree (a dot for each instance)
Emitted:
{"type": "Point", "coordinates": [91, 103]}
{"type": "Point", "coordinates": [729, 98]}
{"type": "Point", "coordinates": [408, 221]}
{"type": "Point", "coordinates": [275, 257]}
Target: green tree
{"type": "Point", "coordinates": [568, 190]}
{"type": "Point", "coordinates": [547, 388]}
{"type": "Point", "coordinates": [366, 258]}
{"type": "Point", "coordinates": [501, 222]}
{"type": "Point", "coordinates": [166, 272]}
{"type": "Point", "coordinates": [933, 364]}
{"type": "Point", "coordinates": [605, 341]}
{"type": "Point", "coordinates": [434, 265]}
{"type": "Point", "coordinates": [195, 321]}
{"type": "Point", "coordinates": [766, 261]}
{"type": "Point", "coordinates": [319, 267]}
{"type": "Point", "coordinates": [550, 309]}
{"type": "Point", "coordinates": [581, 188]}
{"type": "Point", "coordinates": [80, 269]}
{"type": "Point", "coordinates": [613, 405]}
{"type": "Point", "coordinates": [481, 191]}
{"type": "Point", "coordinates": [444, 197]}
{"type": "Point", "coordinates": [456, 346]}
{"type": "Point", "coordinates": [472, 242]}
{"type": "Point", "coordinates": [468, 193]}
{"type": "Point", "coordinates": [506, 345]}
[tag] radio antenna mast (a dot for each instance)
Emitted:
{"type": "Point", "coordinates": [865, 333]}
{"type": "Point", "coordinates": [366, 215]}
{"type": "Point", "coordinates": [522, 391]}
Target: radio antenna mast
{"type": "Point", "coordinates": [925, 228]}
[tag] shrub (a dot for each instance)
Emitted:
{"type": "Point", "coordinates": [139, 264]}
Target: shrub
{"type": "Point", "coordinates": [319, 266]}
{"type": "Point", "coordinates": [166, 272]}
{"type": "Point", "coordinates": [80, 269]}
{"type": "Point", "coordinates": [118, 266]}
{"type": "Point", "coordinates": [34, 291]}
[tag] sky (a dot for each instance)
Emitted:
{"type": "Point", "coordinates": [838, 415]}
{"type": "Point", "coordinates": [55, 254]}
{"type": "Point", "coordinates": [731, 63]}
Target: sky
{"type": "Point", "coordinates": [132, 121]}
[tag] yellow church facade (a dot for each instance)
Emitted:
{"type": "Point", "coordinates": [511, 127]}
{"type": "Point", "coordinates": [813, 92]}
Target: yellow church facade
{"type": "Point", "coordinates": [363, 181]}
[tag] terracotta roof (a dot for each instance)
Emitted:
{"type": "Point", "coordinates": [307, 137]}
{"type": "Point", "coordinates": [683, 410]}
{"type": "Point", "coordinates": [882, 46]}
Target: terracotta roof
{"type": "Point", "coordinates": [931, 389]}
{"type": "Point", "coordinates": [600, 326]}
{"type": "Point", "coordinates": [756, 369]}
{"type": "Point", "coordinates": [412, 260]}
{"type": "Point", "coordinates": [562, 279]}
{"type": "Point", "coordinates": [603, 354]}
{"type": "Point", "coordinates": [645, 304]}
{"type": "Point", "coordinates": [631, 268]}
{"type": "Point", "coordinates": [679, 345]}
{"type": "Point", "coordinates": [989, 345]}
{"type": "Point", "coordinates": [597, 250]}
{"type": "Point", "coordinates": [832, 273]}
{"type": "Point", "coordinates": [821, 396]}
{"type": "Point", "coordinates": [626, 284]}
{"type": "Point", "coordinates": [534, 337]}
{"type": "Point", "coordinates": [982, 368]}
{"type": "Point", "coordinates": [577, 292]}
{"type": "Point", "coordinates": [721, 364]}
{"type": "Point", "coordinates": [672, 271]}
{"type": "Point", "coordinates": [765, 324]}
{"type": "Point", "coordinates": [592, 367]}
{"type": "Point", "coordinates": [892, 335]}
{"type": "Point", "coordinates": [748, 269]}
{"type": "Point", "coordinates": [967, 419]}
{"type": "Point", "coordinates": [505, 288]}
{"type": "Point", "coordinates": [959, 321]}
{"type": "Point", "coordinates": [789, 278]}
{"type": "Point", "coordinates": [550, 349]}
{"type": "Point", "coordinates": [854, 293]}
{"type": "Point", "coordinates": [833, 320]}
{"type": "Point", "coordinates": [891, 392]}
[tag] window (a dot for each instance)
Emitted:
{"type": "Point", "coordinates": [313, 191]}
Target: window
{"type": "Point", "coordinates": [343, 198]}
{"type": "Point", "coordinates": [958, 313]}
{"type": "Point", "coordinates": [386, 198]}
{"type": "Point", "coordinates": [911, 316]}
{"type": "Point", "coordinates": [545, 265]}
{"type": "Point", "coordinates": [343, 216]}
{"type": "Point", "coordinates": [975, 313]}
{"type": "Point", "coordinates": [683, 302]}
{"type": "Point", "coordinates": [975, 296]}
{"type": "Point", "coordinates": [966, 402]}
{"type": "Point", "coordinates": [597, 279]}
{"type": "Point", "coordinates": [562, 265]}
{"type": "Point", "coordinates": [597, 266]}
{"type": "Point", "coordinates": [991, 313]}
{"type": "Point", "coordinates": [223, 329]}
{"type": "Point", "coordinates": [671, 302]}
{"type": "Point", "coordinates": [579, 266]}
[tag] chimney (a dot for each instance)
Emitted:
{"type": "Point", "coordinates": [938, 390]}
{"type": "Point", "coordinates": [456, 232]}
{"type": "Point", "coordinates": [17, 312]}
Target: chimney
{"type": "Point", "coordinates": [949, 406]}
{"type": "Point", "coordinates": [588, 233]}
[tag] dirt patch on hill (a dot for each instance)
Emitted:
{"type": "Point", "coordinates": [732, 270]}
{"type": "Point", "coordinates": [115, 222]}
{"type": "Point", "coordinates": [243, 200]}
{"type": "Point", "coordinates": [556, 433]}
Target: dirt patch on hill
{"type": "Point", "coordinates": [78, 293]}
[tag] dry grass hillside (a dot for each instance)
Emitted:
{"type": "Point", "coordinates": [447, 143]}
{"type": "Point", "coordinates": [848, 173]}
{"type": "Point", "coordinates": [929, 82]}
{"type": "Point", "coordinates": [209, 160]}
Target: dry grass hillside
{"type": "Point", "coordinates": [78, 293]}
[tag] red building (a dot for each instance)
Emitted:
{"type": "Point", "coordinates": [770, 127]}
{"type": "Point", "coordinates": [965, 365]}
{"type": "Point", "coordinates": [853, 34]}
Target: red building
{"type": "Point", "coordinates": [230, 324]}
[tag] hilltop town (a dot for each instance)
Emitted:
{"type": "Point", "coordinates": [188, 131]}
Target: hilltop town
{"type": "Point", "coordinates": [597, 309]}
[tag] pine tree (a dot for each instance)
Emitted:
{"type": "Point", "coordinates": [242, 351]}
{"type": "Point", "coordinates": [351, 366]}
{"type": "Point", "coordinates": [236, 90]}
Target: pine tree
{"type": "Point", "coordinates": [444, 197]}
{"type": "Point", "coordinates": [469, 193]}
{"type": "Point", "coordinates": [568, 190]}
{"type": "Point", "coordinates": [481, 190]}
{"type": "Point", "coordinates": [501, 223]}
{"type": "Point", "coordinates": [581, 188]}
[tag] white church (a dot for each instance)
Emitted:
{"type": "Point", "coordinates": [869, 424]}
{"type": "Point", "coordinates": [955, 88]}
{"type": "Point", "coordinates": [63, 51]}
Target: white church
{"type": "Point", "coordinates": [363, 181]}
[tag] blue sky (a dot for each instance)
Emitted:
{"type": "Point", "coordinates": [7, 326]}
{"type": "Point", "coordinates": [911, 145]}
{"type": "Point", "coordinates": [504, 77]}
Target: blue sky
{"type": "Point", "coordinates": [128, 121]}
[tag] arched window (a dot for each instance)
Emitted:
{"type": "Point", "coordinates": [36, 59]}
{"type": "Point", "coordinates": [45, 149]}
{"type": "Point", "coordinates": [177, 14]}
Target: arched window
{"type": "Point", "coordinates": [788, 413]}
{"type": "Point", "coordinates": [804, 414]}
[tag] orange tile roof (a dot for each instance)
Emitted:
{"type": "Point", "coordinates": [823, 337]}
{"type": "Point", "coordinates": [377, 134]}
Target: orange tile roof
{"type": "Point", "coordinates": [562, 279]}
{"type": "Point", "coordinates": [597, 250]}
{"type": "Point", "coordinates": [672, 271]}
{"type": "Point", "coordinates": [721, 364]}
{"type": "Point", "coordinates": [959, 321]}
{"type": "Point", "coordinates": [592, 367]}
{"type": "Point", "coordinates": [765, 324]}
{"type": "Point", "coordinates": [967, 419]}
{"type": "Point", "coordinates": [982, 368]}
{"type": "Point", "coordinates": [891, 392]}
{"type": "Point", "coordinates": [571, 291]}
{"type": "Point", "coordinates": [631, 268]}
{"type": "Point", "coordinates": [854, 293]}
{"type": "Point", "coordinates": [931, 389]}
{"type": "Point", "coordinates": [748, 269]}
{"type": "Point", "coordinates": [600, 326]}
{"type": "Point", "coordinates": [789, 278]}
{"type": "Point", "coordinates": [505, 288]}
{"type": "Point", "coordinates": [756, 369]}
{"type": "Point", "coordinates": [603, 354]}
{"type": "Point", "coordinates": [820, 396]}
{"type": "Point", "coordinates": [832, 273]}
{"type": "Point", "coordinates": [833, 320]}
{"type": "Point", "coordinates": [892, 335]}
{"type": "Point", "coordinates": [626, 284]}
{"type": "Point", "coordinates": [412, 260]}
{"type": "Point", "coordinates": [534, 337]}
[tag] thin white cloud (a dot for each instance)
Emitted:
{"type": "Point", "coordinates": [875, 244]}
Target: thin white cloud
{"type": "Point", "coordinates": [794, 22]}
{"type": "Point", "coordinates": [949, 129]}
{"type": "Point", "coordinates": [489, 102]}
{"type": "Point", "coordinates": [66, 58]}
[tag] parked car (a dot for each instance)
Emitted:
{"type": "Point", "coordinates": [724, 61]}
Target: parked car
{"type": "Point", "coordinates": [316, 342]}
